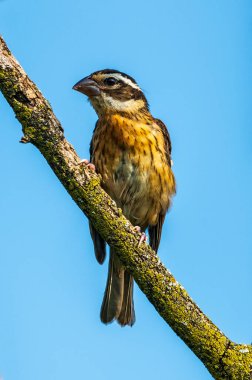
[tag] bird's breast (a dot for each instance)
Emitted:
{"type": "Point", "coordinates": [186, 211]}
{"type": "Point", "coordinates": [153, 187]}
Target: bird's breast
{"type": "Point", "coordinates": [131, 158]}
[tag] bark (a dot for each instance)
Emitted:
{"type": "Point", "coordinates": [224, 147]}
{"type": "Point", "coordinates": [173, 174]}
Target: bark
{"type": "Point", "coordinates": [223, 358]}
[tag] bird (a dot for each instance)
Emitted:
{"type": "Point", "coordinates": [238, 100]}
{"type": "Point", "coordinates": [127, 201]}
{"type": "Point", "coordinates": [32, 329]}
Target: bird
{"type": "Point", "coordinates": [131, 150]}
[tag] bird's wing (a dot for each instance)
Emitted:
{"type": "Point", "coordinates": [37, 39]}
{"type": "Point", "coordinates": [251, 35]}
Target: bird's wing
{"type": "Point", "coordinates": [155, 231]}
{"type": "Point", "coordinates": [167, 140]}
{"type": "Point", "coordinates": [91, 148]}
{"type": "Point", "coordinates": [99, 242]}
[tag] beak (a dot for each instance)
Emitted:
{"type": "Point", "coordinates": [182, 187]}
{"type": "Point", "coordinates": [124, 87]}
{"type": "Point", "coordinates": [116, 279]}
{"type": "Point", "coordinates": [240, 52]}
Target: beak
{"type": "Point", "coordinates": [87, 86]}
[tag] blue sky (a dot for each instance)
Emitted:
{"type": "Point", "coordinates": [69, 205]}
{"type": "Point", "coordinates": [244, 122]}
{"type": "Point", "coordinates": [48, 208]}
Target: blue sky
{"type": "Point", "coordinates": [193, 60]}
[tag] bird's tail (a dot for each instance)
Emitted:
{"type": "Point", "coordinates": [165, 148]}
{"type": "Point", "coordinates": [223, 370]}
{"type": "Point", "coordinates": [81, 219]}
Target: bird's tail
{"type": "Point", "coordinates": [118, 297]}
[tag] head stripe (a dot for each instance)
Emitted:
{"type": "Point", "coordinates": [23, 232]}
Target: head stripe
{"type": "Point", "coordinates": [124, 79]}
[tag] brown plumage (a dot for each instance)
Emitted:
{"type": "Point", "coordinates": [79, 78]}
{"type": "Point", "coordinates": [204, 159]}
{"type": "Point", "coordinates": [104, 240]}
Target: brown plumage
{"type": "Point", "coordinates": [132, 152]}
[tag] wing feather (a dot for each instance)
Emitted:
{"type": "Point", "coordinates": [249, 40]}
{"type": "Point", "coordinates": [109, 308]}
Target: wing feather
{"type": "Point", "coordinates": [156, 231]}
{"type": "Point", "coordinates": [167, 140]}
{"type": "Point", "coordinates": [98, 241]}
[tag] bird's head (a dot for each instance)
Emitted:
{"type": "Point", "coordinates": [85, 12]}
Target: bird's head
{"type": "Point", "coordinates": [111, 91]}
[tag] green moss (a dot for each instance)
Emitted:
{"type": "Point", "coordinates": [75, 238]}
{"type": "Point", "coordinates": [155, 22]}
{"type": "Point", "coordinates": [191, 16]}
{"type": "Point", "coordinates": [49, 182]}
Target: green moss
{"type": "Point", "coordinates": [224, 359]}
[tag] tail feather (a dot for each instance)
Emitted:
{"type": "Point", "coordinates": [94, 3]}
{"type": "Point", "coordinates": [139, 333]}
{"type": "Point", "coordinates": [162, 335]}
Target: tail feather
{"type": "Point", "coordinates": [118, 297]}
{"type": "Point", "coordinates": [113, 296]}
{"type": "Point", "coordinates": [127, 314]}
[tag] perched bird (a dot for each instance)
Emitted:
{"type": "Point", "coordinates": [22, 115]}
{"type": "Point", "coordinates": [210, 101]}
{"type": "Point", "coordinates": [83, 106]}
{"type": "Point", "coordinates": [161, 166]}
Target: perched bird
{"type": "Point", "coordinates": [131, 150]}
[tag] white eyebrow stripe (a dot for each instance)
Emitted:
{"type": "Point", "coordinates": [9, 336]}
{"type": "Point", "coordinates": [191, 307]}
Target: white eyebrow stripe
{"type": "Point", "coordinates": [122, 78]}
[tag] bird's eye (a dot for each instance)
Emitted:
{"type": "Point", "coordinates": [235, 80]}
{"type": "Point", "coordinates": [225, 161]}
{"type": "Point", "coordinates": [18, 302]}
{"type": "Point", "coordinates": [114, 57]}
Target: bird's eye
{"type": "Point", "coordinates": [110, 81]}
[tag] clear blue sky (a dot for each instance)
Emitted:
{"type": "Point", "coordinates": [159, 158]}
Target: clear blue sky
{"type": "Point", "coordinates": [193, 59]}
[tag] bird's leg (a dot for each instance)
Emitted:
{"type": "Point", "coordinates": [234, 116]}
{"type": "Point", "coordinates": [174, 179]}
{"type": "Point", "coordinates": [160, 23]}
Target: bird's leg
{"type": "Point", "coordinates": [88, 163]}
{"type": "Point", "coordinates": [143, 238]}
{"type": "Point", "coordinates": [143, 235]}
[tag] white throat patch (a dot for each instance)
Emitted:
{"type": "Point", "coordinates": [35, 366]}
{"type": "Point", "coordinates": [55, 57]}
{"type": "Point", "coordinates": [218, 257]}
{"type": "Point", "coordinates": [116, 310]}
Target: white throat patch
{"type": "Point", "coordinates": [131, 105]}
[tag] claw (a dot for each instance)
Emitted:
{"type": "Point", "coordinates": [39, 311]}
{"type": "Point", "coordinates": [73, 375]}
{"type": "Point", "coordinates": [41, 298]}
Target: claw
{"type": "Point", "coordinates": [143, 237]}
{"type": "Point", "coordinates": [88, 163]}
{"type": "Point", "coordinates": [84, 161]}
{"type": "Point", "coordinates": [137, 228]}
{"type": "Point", "coordinates": [91, 166]}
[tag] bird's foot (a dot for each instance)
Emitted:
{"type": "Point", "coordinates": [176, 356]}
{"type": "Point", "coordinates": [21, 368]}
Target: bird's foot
{"type": "Point", "coordinates": [88, 164]}
{"type": "Point", "coordinates": [143, 237]}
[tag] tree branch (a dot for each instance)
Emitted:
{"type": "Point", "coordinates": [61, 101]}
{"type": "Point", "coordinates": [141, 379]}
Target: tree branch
{"type": "Point", "coordinates": [223, 358]}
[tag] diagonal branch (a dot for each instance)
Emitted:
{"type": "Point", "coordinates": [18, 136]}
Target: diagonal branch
{"type": "Point", "coordinates": [223, 358]}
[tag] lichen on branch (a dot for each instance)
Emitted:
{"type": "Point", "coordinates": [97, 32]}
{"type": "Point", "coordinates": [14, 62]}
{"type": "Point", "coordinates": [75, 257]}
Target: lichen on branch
{"type": "Point", "coordinates": [223, 358]}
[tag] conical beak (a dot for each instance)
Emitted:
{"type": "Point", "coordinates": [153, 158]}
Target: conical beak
{"type": "Point", "coordinates": [87, 86]}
